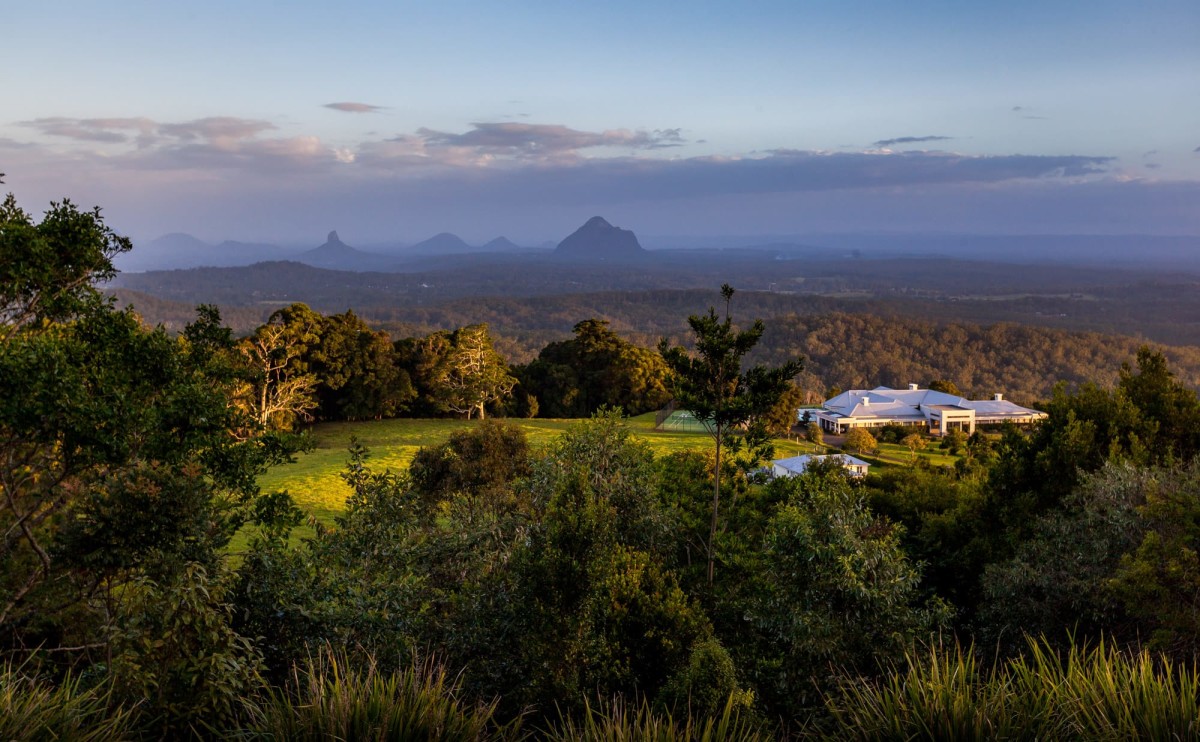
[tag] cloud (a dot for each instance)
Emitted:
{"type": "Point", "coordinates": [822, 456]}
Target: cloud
{"type": "Point", "coordinates": [6, 143]}
{"type": "Point", "coordinates": [909, 140]}
{"type": "Point", "coordinates": [104, 130]}
{"type": "Point", "coordinates": [349, 107]}
{"type": "Point", "coordinates": [216, 129]}
{"type": "Point", "coordinates": [1028, 115]}
{"type": "Point", "coordinates": [222, 131]}
{"type": "Point", "coordinates": [791, 171]}
{"type": "Point", "coordinates": [235, 164]}
{"type": "Point", "coordinates": [513, 139]}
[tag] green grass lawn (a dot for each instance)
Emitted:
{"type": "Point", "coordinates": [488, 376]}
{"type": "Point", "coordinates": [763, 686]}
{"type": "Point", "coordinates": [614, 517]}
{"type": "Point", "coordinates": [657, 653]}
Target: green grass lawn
{"type": "Point", "coordinates": [314, 481]}
{"type": "Point", "coordinates": [894, 454]}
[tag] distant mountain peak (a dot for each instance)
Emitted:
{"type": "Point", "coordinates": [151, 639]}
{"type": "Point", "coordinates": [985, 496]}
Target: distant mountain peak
{"type": "Point", "coordinates": [333, 238]}
{"type": "Point", "coordinates": [500, 244]}
{"type": "Point", "coordinates": [442, 242]}
{"type": "Point", "coordinates": [599, 240]}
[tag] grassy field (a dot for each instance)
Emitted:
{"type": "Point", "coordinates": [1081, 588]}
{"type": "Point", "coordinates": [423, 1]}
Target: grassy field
{"type": "Point", "coordinates": [314, 480]}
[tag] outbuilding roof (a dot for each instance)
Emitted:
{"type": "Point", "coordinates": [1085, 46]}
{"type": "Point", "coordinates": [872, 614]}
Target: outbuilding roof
{"type": "Point", "coordinates": [797, 464]}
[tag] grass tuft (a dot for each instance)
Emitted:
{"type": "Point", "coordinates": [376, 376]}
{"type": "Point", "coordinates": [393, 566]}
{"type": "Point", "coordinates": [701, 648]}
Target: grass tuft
{"type": "Point", "coordinates": [330, 699]}
{"type": "Point", "coordinates": [1087, 693]}
{"type": "Point", "coordinates": [622, 721]}
{"type": "Point", "coordinates": [33, 708]}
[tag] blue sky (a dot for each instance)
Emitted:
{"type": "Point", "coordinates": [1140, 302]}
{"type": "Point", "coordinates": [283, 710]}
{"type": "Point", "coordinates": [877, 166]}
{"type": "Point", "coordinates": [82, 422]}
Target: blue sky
{"type": "Point", "coordinates": [392, 121]}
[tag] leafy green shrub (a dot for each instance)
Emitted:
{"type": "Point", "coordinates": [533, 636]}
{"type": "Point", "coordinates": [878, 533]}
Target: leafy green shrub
{"type": "Point", "coordinates": [706, 682]}
{"type": "Point", "coordinates": [330, 699]}
{"type": "Point", "coordinates": [835, 590]}
{"type": "Point", "coordinates": [176, 656]}
{"type": "Point", "coordinates": [32, 708]}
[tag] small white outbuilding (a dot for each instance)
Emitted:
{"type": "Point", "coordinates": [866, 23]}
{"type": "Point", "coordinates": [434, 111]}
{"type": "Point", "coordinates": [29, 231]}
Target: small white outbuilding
{"type": "Point", "coordinates": [796, 465]}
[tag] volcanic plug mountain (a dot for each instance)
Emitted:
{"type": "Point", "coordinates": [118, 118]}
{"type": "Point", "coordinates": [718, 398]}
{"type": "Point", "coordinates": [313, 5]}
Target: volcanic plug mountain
{"type": "Point", "coordinates": [599, 240]}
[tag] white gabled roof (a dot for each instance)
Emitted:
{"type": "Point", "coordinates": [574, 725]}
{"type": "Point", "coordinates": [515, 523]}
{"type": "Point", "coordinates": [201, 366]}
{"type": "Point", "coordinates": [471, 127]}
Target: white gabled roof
{"type": "Point", "coordinates": [797, 464]}
{"type": "Point", "coordinates": [890, 403]}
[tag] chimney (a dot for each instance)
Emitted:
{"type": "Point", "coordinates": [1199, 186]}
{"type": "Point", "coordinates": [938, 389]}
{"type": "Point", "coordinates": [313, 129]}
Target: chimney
{"type": "Point", "coordinates": [998, 397]}
{"type": "Point", "coordinates": [866, 401]}
{"type": "Point", "coordinates": [913, 387]}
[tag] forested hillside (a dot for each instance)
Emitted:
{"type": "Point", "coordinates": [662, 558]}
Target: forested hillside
{"type": "Point", "coordinates": [870, 344]}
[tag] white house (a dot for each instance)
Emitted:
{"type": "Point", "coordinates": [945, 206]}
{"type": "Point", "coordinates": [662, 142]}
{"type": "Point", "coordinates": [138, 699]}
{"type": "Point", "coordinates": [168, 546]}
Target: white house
{"type": "Point", "coordinates": [936, 411]}
{"type": "Point", "coordinates": [796, 465]}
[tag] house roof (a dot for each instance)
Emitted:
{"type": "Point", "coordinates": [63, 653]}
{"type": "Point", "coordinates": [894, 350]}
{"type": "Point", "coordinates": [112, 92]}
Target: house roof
{"type": "Point", "coordinates": [799, 463]}
{"type": "Point", "coordinates": [895, 404]}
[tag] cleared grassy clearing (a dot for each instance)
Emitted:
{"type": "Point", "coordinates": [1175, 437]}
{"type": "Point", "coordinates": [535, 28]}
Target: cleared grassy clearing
{"type": "Point", "coordinates": [314, 481]}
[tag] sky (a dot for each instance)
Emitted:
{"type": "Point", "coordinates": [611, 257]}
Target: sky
{"type": "Point", "coordinates": [392, 121]}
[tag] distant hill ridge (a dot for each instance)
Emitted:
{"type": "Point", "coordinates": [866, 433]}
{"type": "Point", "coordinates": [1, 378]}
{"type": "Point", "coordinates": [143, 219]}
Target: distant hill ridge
{"type": "Point", "coordinates": [337, 255]}
{"type": "Point", "coordinates": [444, 242]}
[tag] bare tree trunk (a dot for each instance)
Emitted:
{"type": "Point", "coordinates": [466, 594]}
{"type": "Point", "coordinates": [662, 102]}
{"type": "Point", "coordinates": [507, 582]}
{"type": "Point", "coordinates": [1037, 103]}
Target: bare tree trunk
{"type": "Point", "coordinates": [712, 531]}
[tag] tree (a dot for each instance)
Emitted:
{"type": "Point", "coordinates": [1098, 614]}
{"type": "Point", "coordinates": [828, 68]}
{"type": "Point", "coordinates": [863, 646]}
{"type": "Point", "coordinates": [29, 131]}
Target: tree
{"type": "Point", "coordinates": [118, 462]}
{"type": "Point", "coordinates": [945, 385]}
{"type": "Point", "coordinates": [954, 441]}
{"type": "Point", "coordinates": [914, 442]}
{"type": "Point", "coordinates": [595, 369]}
{"type": "Point", "coordinates": [277, 394]}
{"type": "Point", "coordinates": [594, 609]}
{"type": "Point", "coordinates": [858, 440]}
{"type": "Point", "coordinates": [836, 589]}
{"type": "Point", "coordinates": [356, 371]}
{"type": "Point", "coordinates": [426, 360]}
{"type": "Point", "coordinates": [48, 269]}
{"type": "Point", "coordinates": [1059, 583]}
{"type": "Point", "coordinates": [781, 418]}
{"type": "Point", "coordinates": [477, 376]}
{"type": "Point", "coordinates": [710, 384]}
{"type": "Point", "coordinates": [476, 465]}
{"type": "Point", "coordinates": [814, 434]}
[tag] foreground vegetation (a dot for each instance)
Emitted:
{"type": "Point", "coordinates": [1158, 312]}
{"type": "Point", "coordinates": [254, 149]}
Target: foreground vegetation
{"type": "Point", "coordinates": [592, 580]}
{"type": "Point", "coordinates": [935, 693]}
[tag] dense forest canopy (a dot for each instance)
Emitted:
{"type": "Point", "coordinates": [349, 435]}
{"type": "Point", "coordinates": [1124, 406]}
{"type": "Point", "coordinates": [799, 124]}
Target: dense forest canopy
{"type": "Point", "coordinates": [845, 349]}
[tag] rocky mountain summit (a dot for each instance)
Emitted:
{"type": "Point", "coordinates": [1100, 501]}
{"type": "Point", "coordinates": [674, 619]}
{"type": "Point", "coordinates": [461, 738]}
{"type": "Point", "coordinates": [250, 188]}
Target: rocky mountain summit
{"type": "Point", "coordinates": [599, 240]}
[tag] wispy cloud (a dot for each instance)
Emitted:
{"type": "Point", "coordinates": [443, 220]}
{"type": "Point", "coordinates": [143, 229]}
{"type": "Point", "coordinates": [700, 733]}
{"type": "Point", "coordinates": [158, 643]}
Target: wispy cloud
{"type": "Point", "coordinates": [909, 140]}
{"type": "Point", "coordinates": [216, 129]}
{"type": "Point", "coordinates": [516, 139]}
{"type": "Point", "coordinates": [214, 142]}
{"type": "Point", "coordinates": [104, 130]}
{"type": "Point", "coordinates": [1025, 110]}
{"type": "Point", "coordinates": [350, 107]}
